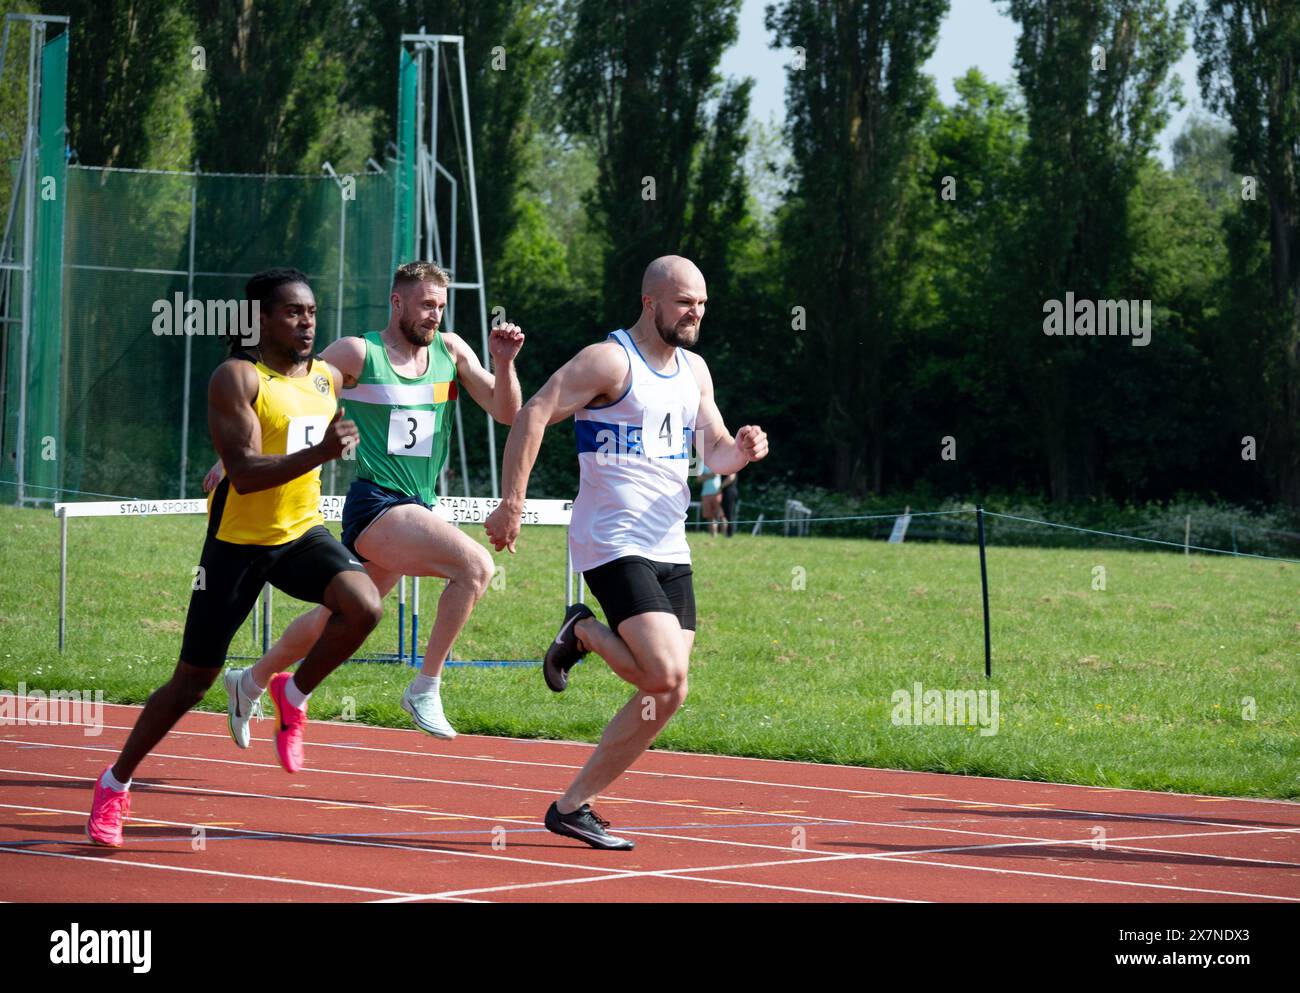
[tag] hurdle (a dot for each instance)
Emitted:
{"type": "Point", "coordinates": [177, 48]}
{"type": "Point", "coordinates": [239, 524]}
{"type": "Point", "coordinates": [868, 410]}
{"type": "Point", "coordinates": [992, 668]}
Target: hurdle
{"type": "Point", "coordinates": [454, 510]}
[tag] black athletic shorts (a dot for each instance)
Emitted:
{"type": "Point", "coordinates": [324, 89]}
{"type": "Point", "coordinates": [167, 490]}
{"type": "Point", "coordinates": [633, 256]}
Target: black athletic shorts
{"type": "Point", "coordinates": [366, 503]}
{"type": "Point", "coordinates": [634, 585]}
{"type": "Point", "coordinates": [232, 579]}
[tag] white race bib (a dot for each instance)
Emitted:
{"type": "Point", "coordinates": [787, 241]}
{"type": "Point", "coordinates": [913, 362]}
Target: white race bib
{"type": "Point", "coordinates": [661, 432]}
{"type": "Point", "coordinates": [304, 432]}
{"type": "Point", "coordinates": [410, 432]}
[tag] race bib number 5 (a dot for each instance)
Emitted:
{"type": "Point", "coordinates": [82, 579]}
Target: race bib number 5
{"type": "Point", "coordinates": [410, 432]}
{"type": "Point", "coordinates": [304, 432]}
{"type": "Point", "coordinates": [661, 432]}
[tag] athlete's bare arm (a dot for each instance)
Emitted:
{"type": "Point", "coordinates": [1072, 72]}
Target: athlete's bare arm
{"type": "Point", "coordinates": [722, 453]}
{"type": "Point", "coordinates": [599, 371]}
{"type": "Point", "coordinates": [499, 395]}
{"type": "Point", "coordinates": [237, 433]}
{"type": "Point", "coordinates": [347, 356]}
{"type": "Point", "coordinates": [339, 358]}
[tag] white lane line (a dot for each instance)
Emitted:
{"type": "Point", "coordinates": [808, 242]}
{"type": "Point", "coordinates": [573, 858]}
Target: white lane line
{"type": "Point", "coordinates": [1013, 840]}
{"type": "Point", "coordinates": [201, 872]}
{"type": "Point", "coordinates": [956, 801]}
{"type": "Point", "coordinates": [398, 896]}
{"type": "Point", "coordinates": [417, 849]}
{"type": "Point", "coordinates": [903, 857]}
{"type": "Point", "coordinates": [545, 742]}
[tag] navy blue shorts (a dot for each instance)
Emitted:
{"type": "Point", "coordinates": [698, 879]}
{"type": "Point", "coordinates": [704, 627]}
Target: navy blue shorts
{"type": "Point", "coordinates": [366, 503]}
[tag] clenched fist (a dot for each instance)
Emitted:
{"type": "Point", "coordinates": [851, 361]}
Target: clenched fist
{"type": "Point", "coordinates": [504, 342]}
{"type": "Point", "coordinates": [752, 442]}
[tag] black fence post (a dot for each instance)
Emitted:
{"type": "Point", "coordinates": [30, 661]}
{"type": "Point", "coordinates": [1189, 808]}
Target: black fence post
{"type": "Point", "coordinates": [984, 582]}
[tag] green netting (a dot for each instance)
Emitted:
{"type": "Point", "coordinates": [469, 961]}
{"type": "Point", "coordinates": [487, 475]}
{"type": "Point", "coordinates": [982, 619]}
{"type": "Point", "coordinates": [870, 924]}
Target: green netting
{"type": "Point", "coordinates": [127, 254]}
{"type": "Point", "coordinates": [46, 340]}
{"type": "Point", "coordinates": [404, 192]}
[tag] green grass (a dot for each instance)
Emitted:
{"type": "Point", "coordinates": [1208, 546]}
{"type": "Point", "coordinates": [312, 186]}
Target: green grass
{"type": "Point", "coordinates": [1139, 685]}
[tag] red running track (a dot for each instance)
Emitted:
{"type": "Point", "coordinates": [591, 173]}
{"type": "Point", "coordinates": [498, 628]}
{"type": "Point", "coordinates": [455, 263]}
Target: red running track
{"type": "Point", "coordinates": [393, 815]}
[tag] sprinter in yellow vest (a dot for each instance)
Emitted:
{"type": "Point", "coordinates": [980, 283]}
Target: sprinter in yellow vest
{"type": "Point", "coordinates": [400, 386]}
{"type": "Point", "coordinates": [274, 421]}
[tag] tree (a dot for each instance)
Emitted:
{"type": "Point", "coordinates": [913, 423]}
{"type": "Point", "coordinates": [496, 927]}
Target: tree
{"type": "Point", "coordinates": [636, 83]}
{"type": "Point", "coordinates": [1250, 72]}
{"type": "Point", "coordinates": [272, 83]}
{"type": "Point", "coordinates": [131, 84]}
{"type": "Point", "coordinates": [1095, 80]}
{"type": "Point", "coordinates": [855, 97]}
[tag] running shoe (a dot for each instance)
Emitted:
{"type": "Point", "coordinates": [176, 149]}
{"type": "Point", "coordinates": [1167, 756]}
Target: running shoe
{"type": "Point", "coordinates": [239, 709]}
{"type": "Point", "coordinates": [108, 812]}
{"type": "Point", "coordinates": [290, 721]}
{"type": "Point", "coordinates": [563, 654]}
{"type": "Point", "coordinates": [426, 710]}
{"type": "Point", "coordinates": [585, 825]}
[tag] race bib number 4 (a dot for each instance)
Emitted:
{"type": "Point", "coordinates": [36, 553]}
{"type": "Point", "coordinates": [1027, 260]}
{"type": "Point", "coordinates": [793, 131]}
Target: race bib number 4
{"type": "Point", "coordinates": [304, 432]}
{"type": "Point", "coordinates": [410, 432]}
{"type": "Point", "coordinates": [661, 432]}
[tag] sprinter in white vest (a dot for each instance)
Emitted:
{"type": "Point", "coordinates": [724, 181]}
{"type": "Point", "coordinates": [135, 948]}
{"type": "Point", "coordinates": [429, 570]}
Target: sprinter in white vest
{"type": "Point", "coordinates": [641, 402]}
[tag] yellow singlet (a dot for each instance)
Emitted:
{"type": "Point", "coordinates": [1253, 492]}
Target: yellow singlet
{"type": "Point", "coordinates": [294, 412]}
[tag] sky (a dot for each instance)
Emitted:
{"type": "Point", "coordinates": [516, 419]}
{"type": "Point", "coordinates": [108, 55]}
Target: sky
{"type": "Point", "coordinates": [975, 33]}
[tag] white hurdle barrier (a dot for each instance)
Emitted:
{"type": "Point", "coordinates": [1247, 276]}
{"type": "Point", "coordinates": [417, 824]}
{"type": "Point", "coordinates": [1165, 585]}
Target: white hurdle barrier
{"type": "Point", "coordinates": [455, 510]}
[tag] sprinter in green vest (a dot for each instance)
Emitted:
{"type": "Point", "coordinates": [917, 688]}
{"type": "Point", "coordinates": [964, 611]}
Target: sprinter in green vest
{"type": "Point", "coordinates": [400, 385]}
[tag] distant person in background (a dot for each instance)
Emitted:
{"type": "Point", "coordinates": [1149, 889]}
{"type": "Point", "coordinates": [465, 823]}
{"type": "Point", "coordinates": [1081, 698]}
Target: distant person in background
{"type": "Point", "coordinates": [730, 501]}
{"type": "Point", "coordinates": [711, 498]}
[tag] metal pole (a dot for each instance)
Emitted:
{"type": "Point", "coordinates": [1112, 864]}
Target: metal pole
{"type": "Point", "coordinates": [29, 241]}
{"type": "Point", "coordinates": [266, 618]}
{"type": "Point", "coordinates": [478, 254]}
{"type": "Point", "coordinates": [433, 236]}
{"type": "Point", "coordinates": [401, 618]}
{"type": "Point", "coordinates": [63, 576]}
{"type": "Point", "coordinates": [1187, 535]}
{"type": "Point", "coordinates": [984, 583]}
{"type": "Point", "coordinates": [189, 344]}
{"type": "Point", "coordinates": [415, 616]}
{"type": "Point", "coordinates": [568, 572]}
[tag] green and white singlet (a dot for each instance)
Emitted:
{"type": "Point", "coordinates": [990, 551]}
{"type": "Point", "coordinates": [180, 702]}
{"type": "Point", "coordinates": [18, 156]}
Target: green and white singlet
{"type": "Point", "coordinates": [404, 423]}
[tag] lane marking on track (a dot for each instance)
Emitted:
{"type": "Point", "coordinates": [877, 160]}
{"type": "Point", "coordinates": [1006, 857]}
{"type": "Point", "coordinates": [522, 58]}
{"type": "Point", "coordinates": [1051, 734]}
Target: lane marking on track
{"type": "Point", "coordinates": [201, 872]}
{"type": "Point", "coordinates": [894, 856]}
{"type": "Point", "coordinates": [524, 789]}
{"type": "Point", "coordinates": [692, 756]}
{"type": "Point", "coordinates": [402, 897]}
{"type": "Point", "coordinates": [1016, 840]}
{"type": "Point", "coordinates": [1119, 843]}
{"type": "Point", "coordinates": [1164, 797]}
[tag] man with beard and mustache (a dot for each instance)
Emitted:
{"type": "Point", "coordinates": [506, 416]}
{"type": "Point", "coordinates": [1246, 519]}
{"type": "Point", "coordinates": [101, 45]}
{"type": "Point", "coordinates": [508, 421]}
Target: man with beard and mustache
{"type": "Point", "coordinates": [400, 385]}
{"type": "Point", "coordinates": [639, 400]}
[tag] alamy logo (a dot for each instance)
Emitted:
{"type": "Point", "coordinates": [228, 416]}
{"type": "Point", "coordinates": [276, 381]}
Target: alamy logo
{"type": "Point", "coordinates": [178, 316]}
{"type": "Point", "coordinates": [1099, 318]}
{"type": "Point", "coordinates": [78, 947]}
{"type": "Point", "coordinates": [921, 707]}
{"type": "Point", "coordinates": [37, 707]}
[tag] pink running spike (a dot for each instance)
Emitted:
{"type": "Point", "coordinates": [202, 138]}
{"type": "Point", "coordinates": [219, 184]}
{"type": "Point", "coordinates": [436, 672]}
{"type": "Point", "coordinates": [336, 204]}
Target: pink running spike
{"type": "Point", "coordinates": [290, 720]}
{"type": "Point", "coordinates": [108, 812]}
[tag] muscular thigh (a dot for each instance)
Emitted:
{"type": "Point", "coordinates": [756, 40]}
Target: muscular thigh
{"type": "Point", "coordinates": [409, 540]}
{"type": "Point", "coordinates": [658, 643]}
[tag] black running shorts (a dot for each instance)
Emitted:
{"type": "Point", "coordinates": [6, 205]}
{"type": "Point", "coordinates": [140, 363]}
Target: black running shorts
{"type": "Point", "coordinates": [634, 585]}
{"type": "Point", "coordinates": [232, 577]}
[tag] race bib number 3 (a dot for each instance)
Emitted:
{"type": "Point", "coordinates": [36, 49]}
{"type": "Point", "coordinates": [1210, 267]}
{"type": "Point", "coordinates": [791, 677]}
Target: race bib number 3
{"type": "Point", "coordinates": [661, 432]}
{"type": "Point", "coordinates": [304, 432]}
{"type": "Point", "coordinates": [410, 432]}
